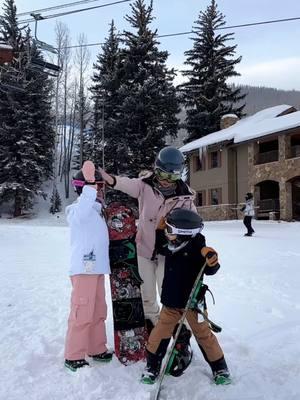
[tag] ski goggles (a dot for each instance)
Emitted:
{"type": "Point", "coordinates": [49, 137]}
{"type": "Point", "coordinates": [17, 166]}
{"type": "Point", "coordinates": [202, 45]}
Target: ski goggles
{"type": "Point", "coordinates": [172, 230]}
{"type": "Point", "coordinates": [167, 176]}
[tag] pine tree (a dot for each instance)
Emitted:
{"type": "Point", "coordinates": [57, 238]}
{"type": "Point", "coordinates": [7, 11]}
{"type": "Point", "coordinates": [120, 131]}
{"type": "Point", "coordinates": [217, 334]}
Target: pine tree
{"type": "Point", "coordinates": [55, 202]}
{"type": "Point", "coordinates": [87, 133]}
{"type": "Point", "coordinates": [26, 134]}
{"type": "Point", "coordinates": [106, 83]}
{"type": "Point", "coordinates": [147, 108]}
{"type": "Point", "coordinates": [207, 95]}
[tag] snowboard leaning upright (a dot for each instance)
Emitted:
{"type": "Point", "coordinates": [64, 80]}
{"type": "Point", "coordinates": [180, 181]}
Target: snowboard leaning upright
{"type": "Point", "coordinates": [130, 334]}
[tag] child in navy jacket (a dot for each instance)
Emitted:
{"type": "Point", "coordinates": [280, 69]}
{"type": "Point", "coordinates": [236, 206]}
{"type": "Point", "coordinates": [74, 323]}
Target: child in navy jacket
{"type": "Point", "coordinates": [186, 254]}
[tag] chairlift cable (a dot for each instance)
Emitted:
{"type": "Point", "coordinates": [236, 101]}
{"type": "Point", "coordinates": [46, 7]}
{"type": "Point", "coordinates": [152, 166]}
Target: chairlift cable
{"type": "Point", "coordinates": [191, 32]}
{"type": "Point", "coordinates": [74, 11]}
{"type": "Point", "coordinates": [188, 32]}
{"type": "Point", "coordinates": [66, 5]}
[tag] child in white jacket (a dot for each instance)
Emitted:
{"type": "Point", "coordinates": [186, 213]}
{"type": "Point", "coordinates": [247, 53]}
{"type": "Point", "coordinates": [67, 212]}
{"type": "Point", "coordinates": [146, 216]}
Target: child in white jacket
{"type": "Point", "coordinates": [248, 210]}
{"type": "Point", "coordinates": [86, 334]}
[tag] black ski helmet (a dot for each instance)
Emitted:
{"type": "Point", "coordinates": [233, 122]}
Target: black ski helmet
{"type": "Point", "coordinates": [181, 361]}
{"type": "Point", "coordinates": [183, 353]}
{"type": "Point", "coordinates": [170, 160]}
{"type": "Point", "coordinates": [183, 223]}
{"type": "Point", "coordinates": [78, 180]}
{"type": "Point", "coordinates": [249, 196]}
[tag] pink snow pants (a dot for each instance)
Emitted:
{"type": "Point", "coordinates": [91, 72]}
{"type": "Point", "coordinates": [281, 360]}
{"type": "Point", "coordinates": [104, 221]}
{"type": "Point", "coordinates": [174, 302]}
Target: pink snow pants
{"type": "Point", "coordinates": [86, 333]}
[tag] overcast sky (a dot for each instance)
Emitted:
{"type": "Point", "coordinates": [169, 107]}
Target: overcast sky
{"type": "Point", "coordinates": [271, 53]}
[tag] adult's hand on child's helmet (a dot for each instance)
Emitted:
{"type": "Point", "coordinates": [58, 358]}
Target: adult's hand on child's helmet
{"type": "Point", "coordinates": [210, 255]}
{"type": "Point", "coordinates": [88, 170]}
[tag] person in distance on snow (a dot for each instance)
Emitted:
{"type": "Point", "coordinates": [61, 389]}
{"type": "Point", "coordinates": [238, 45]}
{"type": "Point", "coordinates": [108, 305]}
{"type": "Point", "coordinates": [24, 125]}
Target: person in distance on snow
{"type": "Point", "coordinates": [186, 254]}
{"type": "Point", "coordinates": [248, 210]}
{"type": "Point", "coordinates": [157, 192]}
{"type": "Point", "coordinates": [86, 334]}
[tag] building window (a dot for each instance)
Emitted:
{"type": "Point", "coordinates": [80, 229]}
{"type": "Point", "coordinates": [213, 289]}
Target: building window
{"type": "Point", "coordinates": [215, 159]}
{"type": "Point", "coordinates": [215, 196]}
{"type": "Point", "coordinates": [198, 163]}
{"type": "Point", "coordinates": [295, 146]}
{"type": "Point", "coordinates": [267, 151]}
{"type": "Point", "coordinates": [200, 198]}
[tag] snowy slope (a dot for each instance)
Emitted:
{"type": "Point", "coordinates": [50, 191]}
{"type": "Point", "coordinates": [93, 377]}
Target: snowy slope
{"type": "Point", "coordinates": [257, 303]}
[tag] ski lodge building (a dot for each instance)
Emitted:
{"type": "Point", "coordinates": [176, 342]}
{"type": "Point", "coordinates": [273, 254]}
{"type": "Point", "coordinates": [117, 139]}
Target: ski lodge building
{"type": "Point", "coordinates": [258, 154]}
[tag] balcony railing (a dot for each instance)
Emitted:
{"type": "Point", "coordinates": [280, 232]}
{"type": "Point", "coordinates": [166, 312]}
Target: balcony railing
{"type": "Point", "coordinates": [295, 151]}
{"type": "Point", "coordinates": [266, 157]}
{"type": "Point", "coordinates": [266, 206]}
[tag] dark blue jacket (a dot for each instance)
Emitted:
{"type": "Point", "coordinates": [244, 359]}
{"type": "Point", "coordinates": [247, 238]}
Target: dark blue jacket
{"type": "Point", "coordinates": [181, 271]}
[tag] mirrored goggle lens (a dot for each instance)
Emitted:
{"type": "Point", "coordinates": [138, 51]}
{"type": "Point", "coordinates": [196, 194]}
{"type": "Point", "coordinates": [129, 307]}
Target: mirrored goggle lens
{"type": "Point", "coordinates": [167, 176]}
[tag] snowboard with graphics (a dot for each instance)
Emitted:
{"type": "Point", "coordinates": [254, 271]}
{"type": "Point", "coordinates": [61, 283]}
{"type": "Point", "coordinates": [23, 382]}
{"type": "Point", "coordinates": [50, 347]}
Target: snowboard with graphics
{"type": "Point", "coordinates": [130, 334]}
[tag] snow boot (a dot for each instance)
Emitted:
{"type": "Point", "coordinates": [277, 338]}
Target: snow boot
{"type": "Point", "coordinates": [220, 372]}
{"type": "Point", "coordinates": [103, 357]}
{"type": "Point", "coordinates": [222, 377]}
{"type": "Point", "coordinates": [74, 365]}
{"type": "Point", "coordinates": [152, 369]}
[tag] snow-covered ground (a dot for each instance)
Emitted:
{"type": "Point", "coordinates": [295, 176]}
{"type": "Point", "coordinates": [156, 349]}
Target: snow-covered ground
{"type": "Point", "coordinates": [257, 304]}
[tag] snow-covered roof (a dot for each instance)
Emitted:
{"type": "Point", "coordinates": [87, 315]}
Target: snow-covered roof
{"type": "Point", "coordinates": [262, 123]}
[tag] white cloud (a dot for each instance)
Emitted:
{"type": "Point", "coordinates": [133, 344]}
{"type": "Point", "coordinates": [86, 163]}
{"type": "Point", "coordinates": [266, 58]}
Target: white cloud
{"type": "Point", "coordinates": [278, 73]}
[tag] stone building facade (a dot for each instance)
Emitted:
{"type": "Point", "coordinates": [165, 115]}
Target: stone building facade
{"type": "Point", "coordinates": [284, 172]}
{"type": "Point", "coordinates": [267, 165]}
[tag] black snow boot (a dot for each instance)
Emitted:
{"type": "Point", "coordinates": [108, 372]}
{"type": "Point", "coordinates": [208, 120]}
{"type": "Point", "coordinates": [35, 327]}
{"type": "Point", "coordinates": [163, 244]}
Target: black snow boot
{"type": "Point", "coordinates": [152, 368]}
{"type": "Point", "coordinates": [103, 357]}
{"type": "Point", "coordinates": [74, 365]}
{"type": "Point", "coordinates": [220, 372]}
{"type": "Point", "coordinates": [154, 361]}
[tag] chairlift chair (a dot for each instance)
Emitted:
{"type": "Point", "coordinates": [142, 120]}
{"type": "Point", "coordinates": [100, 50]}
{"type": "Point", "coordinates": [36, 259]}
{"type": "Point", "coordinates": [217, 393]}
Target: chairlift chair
{"type": "Point", "coordinates": [37, 64]}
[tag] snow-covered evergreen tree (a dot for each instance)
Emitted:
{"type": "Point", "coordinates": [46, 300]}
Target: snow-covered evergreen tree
{"type": "Point", "coordinates": [84, 109]}
{"type": "Point", "coordinates": [26, 134]}
{"type": "Point", "coordinates": [55, 202]}
{"type": "Point", "coordinates": [106, 82]}
{"type": "Point", "coordinates": [207, 95]}
{"type": "Point", "coordinates": [147, 103]}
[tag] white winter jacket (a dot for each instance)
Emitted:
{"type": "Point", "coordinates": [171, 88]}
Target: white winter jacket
{"type": "Point", "coordinates": [249, 208]}
{"type": "Point", "coordinates": [89, 235]}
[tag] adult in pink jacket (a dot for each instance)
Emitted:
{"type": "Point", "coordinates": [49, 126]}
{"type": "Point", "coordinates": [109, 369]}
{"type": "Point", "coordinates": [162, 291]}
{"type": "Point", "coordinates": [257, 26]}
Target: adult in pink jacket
{"type": "Point", "coordinates": [158, 193]}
